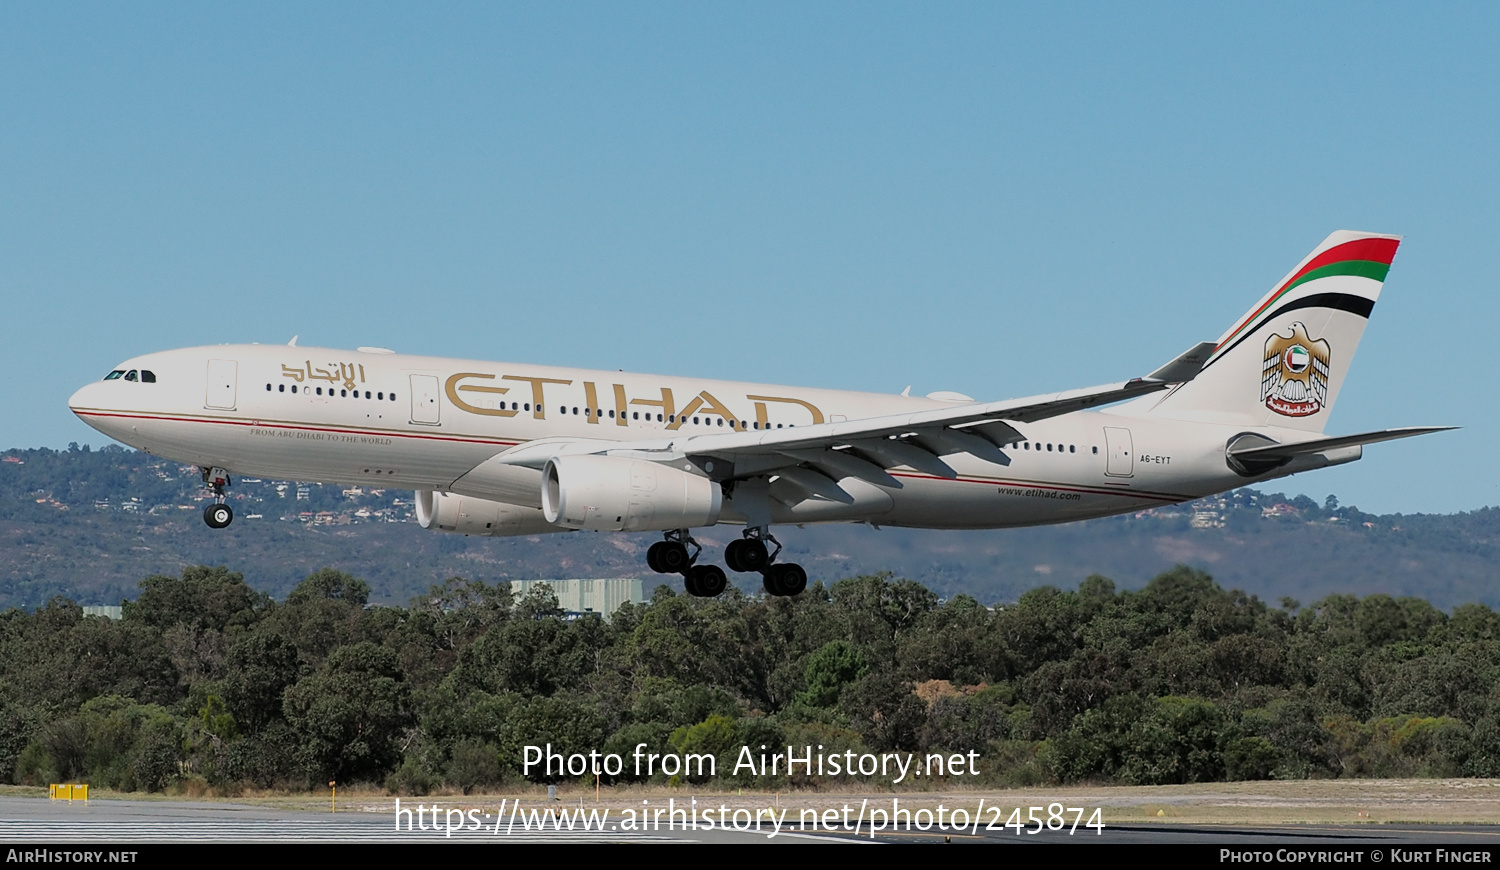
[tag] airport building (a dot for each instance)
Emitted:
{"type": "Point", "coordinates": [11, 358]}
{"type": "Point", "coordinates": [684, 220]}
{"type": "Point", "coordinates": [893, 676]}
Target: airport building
{"type": "Point", "coordinates": [602, 596]}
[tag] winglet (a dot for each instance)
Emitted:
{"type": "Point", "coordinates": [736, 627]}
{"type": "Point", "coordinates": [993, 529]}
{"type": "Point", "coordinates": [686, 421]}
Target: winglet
{"type": "Point", "coordinates": [1186, 366]}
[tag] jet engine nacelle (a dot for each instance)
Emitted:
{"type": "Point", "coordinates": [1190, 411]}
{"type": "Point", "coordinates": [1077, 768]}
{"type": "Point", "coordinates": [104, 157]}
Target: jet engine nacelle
{"type": "Point", "coordinates": [614, 494]}
{"type": "Point", "coordinates": [465, 515]}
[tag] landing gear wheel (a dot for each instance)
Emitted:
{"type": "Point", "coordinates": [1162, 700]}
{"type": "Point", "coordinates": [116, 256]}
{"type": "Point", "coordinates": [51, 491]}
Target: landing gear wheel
{"type": "Point", "coordinates": [217, 516]}
{"type": "Point", "coordinates": [747, 556]}
{"type": "Point", "coordinates": [672, 558]}
{"type": "Point", "coordinates": [653, 557]}
{"type": "Point", "coordinates": [793, 579]}
{"type": "Point", "coordinates": [706, 581]}
{"type": "Point", "coordinates": [785, 579]}
{"type": "Point", "coordinates": [753, 555]}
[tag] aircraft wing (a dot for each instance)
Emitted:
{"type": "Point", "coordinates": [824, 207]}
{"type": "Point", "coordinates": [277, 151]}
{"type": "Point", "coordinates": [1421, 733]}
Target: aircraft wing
{"type": "Point", "coordinates": [815, 457]}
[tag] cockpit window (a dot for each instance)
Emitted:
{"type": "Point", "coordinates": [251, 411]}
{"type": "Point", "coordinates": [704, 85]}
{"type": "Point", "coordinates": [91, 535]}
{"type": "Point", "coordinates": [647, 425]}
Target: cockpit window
{"type": "Point", "coordinates": [115, 375]}
{"type": "Point", "coordinates": [148, 377]}
{"type": "Point", "coordinates": [130, 376]}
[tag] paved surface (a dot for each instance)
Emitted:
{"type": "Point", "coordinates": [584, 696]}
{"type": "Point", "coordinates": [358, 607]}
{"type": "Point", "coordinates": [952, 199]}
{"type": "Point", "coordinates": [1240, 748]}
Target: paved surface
{"type": "Point", "coordinates": [38, 821]}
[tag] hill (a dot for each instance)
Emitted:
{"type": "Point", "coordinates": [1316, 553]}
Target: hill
{"type": "Point", "coordinates": [91, 524]}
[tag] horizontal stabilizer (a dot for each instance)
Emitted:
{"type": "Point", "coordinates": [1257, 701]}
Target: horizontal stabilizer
{"type": "Point", "coordinates": [1319, 445]}
{"type": "Point", "coordinates": [1186, 366]}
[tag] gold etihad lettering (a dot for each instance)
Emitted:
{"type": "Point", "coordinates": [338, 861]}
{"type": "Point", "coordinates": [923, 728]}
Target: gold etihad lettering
{"type": "Point", "coordinates": [591, 402]}
{"type": "Point", "coordinates": [700, 402]}
{"type": "Point", "coordinates": [620, 405]}
{"type": "Point", "coordinates": [452, 388]}
{"type": "Point", "coordinates": [760, 407]}
{"type": "Point", "coordinates": [665, 403]}
{"type": "Point", "coordinates": [536, 391]}
{"type": "Point", "coordinates": [333, 373]}
{"type": "Point", "coordinates": [705, 403]}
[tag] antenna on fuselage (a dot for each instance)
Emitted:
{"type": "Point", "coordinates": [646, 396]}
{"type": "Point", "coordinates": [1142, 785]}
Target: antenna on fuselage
{"type": "Point", "coordinates": [293, 342]}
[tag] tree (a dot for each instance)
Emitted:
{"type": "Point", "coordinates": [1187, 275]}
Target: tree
{"type": "Point", "coordinates": [330, 584]}
{"type": "Point", "coordinates": [351, 714]}
{"type": "Point", "coordinates": [203, 598]}
{"type": "Point", "coordinates": [829, 670]}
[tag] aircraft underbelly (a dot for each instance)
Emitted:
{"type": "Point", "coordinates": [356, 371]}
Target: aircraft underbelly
{"type": "Point", "coordinates": [988, 504]}
{"type": "Point", "coordinates": [309, 454]}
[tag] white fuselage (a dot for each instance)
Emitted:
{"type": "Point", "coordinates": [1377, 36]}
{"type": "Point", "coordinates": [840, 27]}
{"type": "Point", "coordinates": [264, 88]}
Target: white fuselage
{"type": "Point", "coordinates": [422, 423]}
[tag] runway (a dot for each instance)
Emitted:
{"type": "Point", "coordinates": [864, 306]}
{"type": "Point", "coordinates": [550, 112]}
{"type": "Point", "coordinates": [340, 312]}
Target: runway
{"type": "Point", "coordinates": [38, 822]}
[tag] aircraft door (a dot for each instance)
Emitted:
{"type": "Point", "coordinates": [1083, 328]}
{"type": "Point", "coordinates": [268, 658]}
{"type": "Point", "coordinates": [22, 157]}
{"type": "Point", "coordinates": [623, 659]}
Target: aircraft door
{"type": "Point", "coordinates": [1121, 462]}
{"type": "Point", "coordinates": [425, 405]}
{"type": "Point", "coordinates": [223, 375]}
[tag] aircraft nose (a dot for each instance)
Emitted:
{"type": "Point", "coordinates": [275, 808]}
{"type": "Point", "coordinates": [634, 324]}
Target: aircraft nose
{"type": "Point", "coordinates": [79, 399]}
{"type": "Point", "coordinates": [86, 399]}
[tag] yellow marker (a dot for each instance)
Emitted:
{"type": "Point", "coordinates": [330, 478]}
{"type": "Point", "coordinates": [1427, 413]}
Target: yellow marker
{"type": "Point", "coordinates": [333, 797]}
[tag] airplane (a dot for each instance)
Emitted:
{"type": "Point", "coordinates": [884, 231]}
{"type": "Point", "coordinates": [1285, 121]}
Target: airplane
{"type": "Point", "coordinates": [498, 449]}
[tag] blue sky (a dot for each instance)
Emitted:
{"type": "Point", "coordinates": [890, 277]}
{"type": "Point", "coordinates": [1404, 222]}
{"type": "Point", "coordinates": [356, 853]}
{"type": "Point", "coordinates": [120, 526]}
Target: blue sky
{"type": "Point", "coordinates": [998, 200]}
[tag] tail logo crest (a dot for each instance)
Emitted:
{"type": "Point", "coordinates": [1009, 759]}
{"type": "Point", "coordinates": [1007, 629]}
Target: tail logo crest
{"type": "Point", "coordinates": [1294, 375]}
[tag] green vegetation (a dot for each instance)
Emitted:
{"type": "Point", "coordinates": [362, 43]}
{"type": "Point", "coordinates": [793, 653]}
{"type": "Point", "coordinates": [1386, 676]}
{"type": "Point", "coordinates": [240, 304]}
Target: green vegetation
{"type": "Point", "coordinates": [207, 682]}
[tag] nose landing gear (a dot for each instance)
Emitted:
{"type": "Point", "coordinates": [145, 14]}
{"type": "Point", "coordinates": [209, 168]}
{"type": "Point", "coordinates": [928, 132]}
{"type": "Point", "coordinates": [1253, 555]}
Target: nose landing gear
{"type": "Point", "coordinates": [217, 515]}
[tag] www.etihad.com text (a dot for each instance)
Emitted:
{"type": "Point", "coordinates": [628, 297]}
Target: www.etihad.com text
{"type": "Point", "coordinates": [514, 818]}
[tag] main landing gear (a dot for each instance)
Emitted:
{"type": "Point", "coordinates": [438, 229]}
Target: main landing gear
{"type": "Point", "coordinates": [750, 555]}
{"type": "Point", "coordinates": [672, 557]}
{"type": "Point", "coordinates": [218, 514]}
{"type": "Point", "coordinates": [747, 555]}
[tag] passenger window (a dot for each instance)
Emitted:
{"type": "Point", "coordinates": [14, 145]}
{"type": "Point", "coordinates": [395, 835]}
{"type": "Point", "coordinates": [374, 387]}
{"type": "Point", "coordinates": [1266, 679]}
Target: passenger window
{"type": "Point", "coordinates": [268, 388]}
{"type": "Point", "coordinates": [281, 388]}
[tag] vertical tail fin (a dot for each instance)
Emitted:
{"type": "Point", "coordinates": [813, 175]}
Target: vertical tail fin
{"type": "Point", "coordinates": [1283, 362]}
